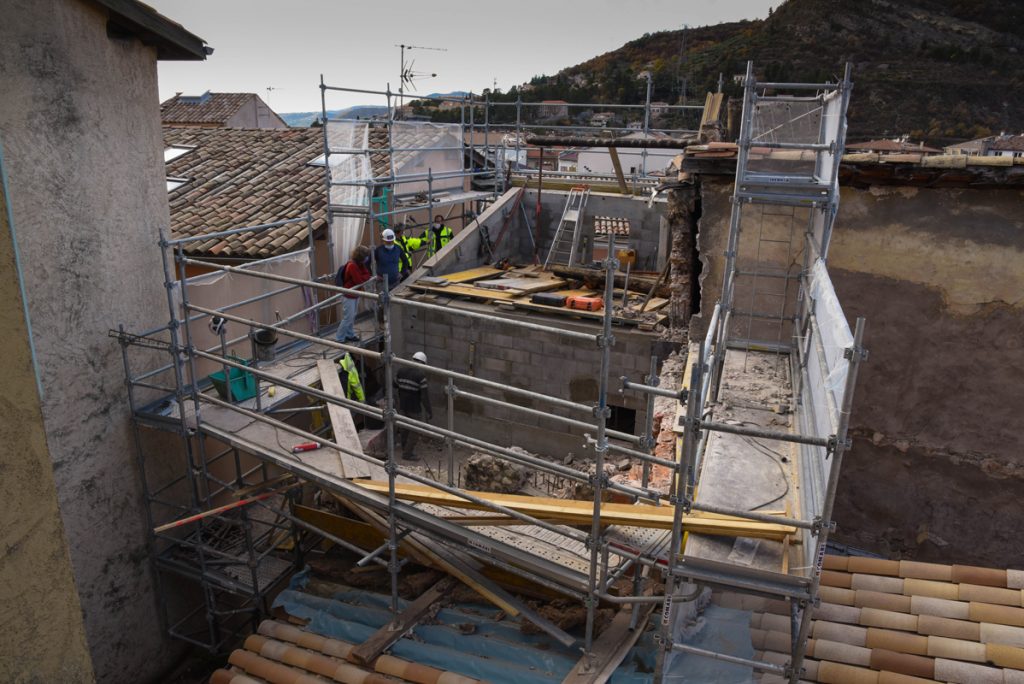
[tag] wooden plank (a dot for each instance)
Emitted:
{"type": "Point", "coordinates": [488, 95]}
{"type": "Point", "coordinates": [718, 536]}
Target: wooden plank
{"type": "Point", "coordinates": [524, 285]}
{"type": "Point", "coordinates": [610, 648]}
{"type": "Point", "coordinates": [639, 515]}
{"type": "Point", "coordinates": [472, 274]}
{"type": "Point", "coordinates": [345, 432]}
{"type": "Point", "coordinates": [368, 651]}
{"type": "Point", "coordinates": [467, 291]}
{"type": "Point", "coordinates": [421, 551]}
{"type": "Point", "coordinates": [614, 154]}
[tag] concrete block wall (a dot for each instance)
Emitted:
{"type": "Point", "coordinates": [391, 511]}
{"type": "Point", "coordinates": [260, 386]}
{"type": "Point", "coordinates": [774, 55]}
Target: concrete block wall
{"type": "Point", "coordinates": [648, 229]}
{"type": "Point", "coordinates": [541, 362]}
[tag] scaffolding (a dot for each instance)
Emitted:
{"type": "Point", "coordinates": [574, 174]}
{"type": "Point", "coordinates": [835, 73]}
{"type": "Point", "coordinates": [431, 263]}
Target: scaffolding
{"type": "Point", "coordinates": [235, 556]}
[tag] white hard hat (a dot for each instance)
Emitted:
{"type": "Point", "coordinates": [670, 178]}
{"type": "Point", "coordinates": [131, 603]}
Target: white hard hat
{"type": "Point", "coordinates": [388, 235]}
{"type": "Point", "coordinates": [419, 356]}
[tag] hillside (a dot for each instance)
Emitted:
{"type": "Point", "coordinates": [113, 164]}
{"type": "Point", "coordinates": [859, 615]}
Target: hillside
{"type": "Point", "coordinates": [935, 69]}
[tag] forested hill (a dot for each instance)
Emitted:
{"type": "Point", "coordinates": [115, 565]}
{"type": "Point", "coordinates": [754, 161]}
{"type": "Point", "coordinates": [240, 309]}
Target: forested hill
{"type": "Point", "coordinates": [934, 69]}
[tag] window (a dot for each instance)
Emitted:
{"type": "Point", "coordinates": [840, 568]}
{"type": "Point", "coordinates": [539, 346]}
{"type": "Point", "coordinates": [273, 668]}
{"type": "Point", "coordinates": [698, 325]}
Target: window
{"type": "Point", "coordinates": [175, 183]}
{"type": "Point", "coordinates": [174, 151]}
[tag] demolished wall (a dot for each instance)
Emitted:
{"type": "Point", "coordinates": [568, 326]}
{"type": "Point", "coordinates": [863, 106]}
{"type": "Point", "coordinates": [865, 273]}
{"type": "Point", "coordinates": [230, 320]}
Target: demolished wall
{"type": "Point", "coordinates": [938, 273]}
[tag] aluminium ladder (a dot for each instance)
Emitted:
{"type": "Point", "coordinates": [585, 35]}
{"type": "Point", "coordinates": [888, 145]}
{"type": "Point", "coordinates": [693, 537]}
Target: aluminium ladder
{"type": "Point", "coordinates": [565, 245]}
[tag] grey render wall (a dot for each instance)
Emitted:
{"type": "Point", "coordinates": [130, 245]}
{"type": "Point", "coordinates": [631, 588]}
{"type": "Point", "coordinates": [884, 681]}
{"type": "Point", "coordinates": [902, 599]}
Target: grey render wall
{"type": "Point", "coordinates": [80, 126]}
{"type": "Point", "coordinates": [541, 362]}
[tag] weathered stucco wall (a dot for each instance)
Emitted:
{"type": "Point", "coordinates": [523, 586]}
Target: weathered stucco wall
{"type": "Point", "coordinates": [43, 638]}
{"type": "Point", "coordinates": [80, 125]}
{"type": "Point", "coordinates": [939, 275]}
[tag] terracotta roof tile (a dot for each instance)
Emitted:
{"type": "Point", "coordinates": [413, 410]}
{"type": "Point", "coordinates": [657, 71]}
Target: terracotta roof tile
{"type": "Point", "coordinates": [213, 108]}
{"type": "Point", "coordinates": [245, 177]}
{"type": "Point", "coordinates": [904, 621]}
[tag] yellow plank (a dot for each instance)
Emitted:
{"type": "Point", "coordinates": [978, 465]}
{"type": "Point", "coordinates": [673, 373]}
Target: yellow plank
{"type": "Point", "coordinates": [581, 512]}
{"type": "Point", "coordinates": [472, 274]}
{"type": "Point", "coordinates": [468, 291]}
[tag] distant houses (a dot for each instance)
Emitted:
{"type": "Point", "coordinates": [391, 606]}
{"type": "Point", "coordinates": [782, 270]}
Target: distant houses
{"type": "Point", "coordinates": [219, 110]}
{"type": "Point", "coordinates": [1002, 145]}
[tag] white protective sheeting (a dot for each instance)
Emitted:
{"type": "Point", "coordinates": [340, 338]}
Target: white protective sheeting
{"type": "Point", "coordinates": [421, 146]}
{"type": "Point", "coordinates": [348, 166]}
{"type": "Point", "coordinates": [219, 289]}
{"type": "Point", "coordinates": [824, 369]}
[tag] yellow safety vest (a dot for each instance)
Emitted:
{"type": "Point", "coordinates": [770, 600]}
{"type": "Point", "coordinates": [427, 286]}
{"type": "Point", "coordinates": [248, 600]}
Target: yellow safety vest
{"type": "Point", "coordinates": [353, 388]}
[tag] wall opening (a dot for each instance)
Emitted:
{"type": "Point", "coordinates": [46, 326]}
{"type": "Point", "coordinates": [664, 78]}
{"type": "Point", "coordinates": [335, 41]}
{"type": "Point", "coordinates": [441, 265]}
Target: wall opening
{"type": "Point", "coordinates": [622, 419]}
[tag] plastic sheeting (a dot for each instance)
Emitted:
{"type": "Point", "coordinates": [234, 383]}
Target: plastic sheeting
{"type": "Point", "coordinates": [219, 289]}
{"type": "Point", "coordinates": [722, 630]}
{"type": "Point", "coordinates": [348, 167]}
{"type": "Point", "coordinates": [473, 640]}
{"type": "Point", "coordinates": [824, 371]}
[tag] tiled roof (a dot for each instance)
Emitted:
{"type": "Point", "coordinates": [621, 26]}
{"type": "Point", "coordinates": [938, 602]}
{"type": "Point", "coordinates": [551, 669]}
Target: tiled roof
{"type": "Point", "coordinates": [607, 224]}
{"type": "Point", "coordinates": [282, 652]}
{"type": "Point", "coordinates": [886, 621]}
{"type": "Point", "coordinates": [892, 146]}
{"type": "Point", "coordinates": [246, 177]}
{"type": "Point", "coordinates": [1008, 143]}
{"type": "Point", "coordinates": [216, 108]}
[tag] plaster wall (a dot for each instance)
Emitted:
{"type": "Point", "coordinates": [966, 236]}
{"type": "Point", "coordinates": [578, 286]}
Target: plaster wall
{"type": "Point", "coordinates": [80, 125]}
{"type": "Point", "coordinates": [44, 636]}
{"type": "Point", "coordinates": [938, 274]}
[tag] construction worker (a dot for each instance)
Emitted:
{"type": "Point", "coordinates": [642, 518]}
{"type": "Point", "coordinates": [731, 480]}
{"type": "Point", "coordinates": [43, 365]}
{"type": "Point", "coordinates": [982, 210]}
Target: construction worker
{"type": "Point", "coordinates": [438, 236]}
{"type": "Point", "coordinates": [388, 257]}
{"type": "Point", "coordinates": [350, 378]}
{"type": "Point", "coordinates": [413, 402]}
{"type": "Point", "coordinates": [408, 245]}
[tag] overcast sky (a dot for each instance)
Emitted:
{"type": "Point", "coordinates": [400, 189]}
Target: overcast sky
{"type": "Point", "coordinates": [287, 45]}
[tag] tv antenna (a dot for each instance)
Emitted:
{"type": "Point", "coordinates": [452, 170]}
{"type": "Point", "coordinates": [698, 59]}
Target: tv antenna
{"type": "Point", "coordinates": [407, 76]}
{"type": "Point", "coordinates": [271, 89]}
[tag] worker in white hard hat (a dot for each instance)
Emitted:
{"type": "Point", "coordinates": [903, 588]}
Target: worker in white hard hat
{"type": "Point", "coordinates": [413, 402]}
{"type": "Point", "coordinates": [389, 258]}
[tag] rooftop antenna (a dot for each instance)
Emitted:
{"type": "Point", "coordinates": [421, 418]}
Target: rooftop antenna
{"type": "Point", "coordinates": [407, 76]}
{"type": "Point", "coordinates": [271, 89]}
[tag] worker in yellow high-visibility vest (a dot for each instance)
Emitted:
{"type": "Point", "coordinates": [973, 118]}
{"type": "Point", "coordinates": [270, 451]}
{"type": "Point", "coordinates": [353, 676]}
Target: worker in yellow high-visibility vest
{"type": "Point", "coordinates": [350, 378]}
{"type": "Point", "coordinates": [437, 236]}
{"type": "Point", "coordinates": [408, 245]}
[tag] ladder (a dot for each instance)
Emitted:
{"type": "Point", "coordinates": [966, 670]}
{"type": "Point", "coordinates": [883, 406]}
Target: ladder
{"type": "Point", "coordinates": [565, 245]}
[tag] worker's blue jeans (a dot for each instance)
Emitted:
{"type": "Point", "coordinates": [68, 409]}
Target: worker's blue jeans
{"type": "Point", "coordinates": [347, 329]}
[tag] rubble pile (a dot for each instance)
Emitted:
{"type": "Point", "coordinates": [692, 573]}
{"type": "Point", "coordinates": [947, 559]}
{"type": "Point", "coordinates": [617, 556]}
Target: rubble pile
{"type": "Point", "coordinates": [485, 473]}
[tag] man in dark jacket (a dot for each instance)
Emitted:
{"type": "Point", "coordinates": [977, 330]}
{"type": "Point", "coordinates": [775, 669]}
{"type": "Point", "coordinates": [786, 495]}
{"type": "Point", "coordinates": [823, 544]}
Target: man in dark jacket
{"type": "Point", "coordinates": [413, 402]}
{"type": "Point", "coordinates": [389, 258]}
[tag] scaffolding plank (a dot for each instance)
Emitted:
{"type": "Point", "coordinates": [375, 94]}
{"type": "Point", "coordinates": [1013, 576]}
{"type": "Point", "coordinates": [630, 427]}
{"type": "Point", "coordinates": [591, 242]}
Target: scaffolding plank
{"type": "Point", "coordinates": [366, 652]}
{"type": "Point", "coordinates": [344, 429]}
{"type": "Point", "coordinates": [744, 472]}
{"type": "Point", "coordinates": [639, 515]}
{"type": "Point", "coordinates": [472, 274]}
{"type": "Point", "coordinates": [610, 648]}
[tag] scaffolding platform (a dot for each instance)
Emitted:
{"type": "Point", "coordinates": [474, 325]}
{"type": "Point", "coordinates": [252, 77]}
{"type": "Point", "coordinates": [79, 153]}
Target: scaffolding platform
{"type": "Point", "coordinates": [744, 472]}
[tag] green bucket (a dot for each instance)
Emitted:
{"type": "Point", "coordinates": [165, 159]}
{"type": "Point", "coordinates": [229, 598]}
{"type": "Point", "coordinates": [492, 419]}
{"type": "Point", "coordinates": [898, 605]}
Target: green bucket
{"type": "Point", "coordinates": [243, 383]}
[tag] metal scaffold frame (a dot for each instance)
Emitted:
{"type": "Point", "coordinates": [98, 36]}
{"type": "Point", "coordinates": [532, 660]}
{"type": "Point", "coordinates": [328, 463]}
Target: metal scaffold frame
{"type": "Point", "coordinates": [193, 496]}
{"type": "Point", "coordinates": [822, 438]}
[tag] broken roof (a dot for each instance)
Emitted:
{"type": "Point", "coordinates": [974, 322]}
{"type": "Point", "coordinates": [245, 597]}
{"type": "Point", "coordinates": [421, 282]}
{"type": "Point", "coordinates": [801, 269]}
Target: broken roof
{"type": "Point", "coordinates": [245, 177]}
{"type": "Point", "coordinates": [208, 108]}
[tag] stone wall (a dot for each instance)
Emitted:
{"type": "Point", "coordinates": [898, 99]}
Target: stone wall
{"type": "Point", "coordinates": [938, 274]}
{"type": "Point", "coordinates": [80, 126]}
